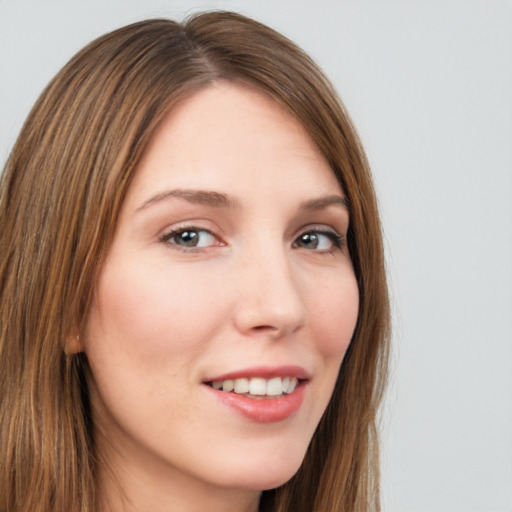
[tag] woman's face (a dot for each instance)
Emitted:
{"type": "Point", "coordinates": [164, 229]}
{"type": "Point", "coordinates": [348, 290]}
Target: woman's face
{"type": "Point", "coordinates": [228, 269]}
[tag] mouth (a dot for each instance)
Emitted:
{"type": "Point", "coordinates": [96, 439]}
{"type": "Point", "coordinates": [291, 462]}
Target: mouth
{"type": "Point", "coordinates": [257, 387]}
{"type": "Point", "coordinates": [261, 395]}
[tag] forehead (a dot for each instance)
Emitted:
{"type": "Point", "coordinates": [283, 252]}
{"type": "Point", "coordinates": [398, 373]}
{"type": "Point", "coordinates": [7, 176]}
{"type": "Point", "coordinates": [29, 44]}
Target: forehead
{"type": "Point", "coordinates": [235, 138]}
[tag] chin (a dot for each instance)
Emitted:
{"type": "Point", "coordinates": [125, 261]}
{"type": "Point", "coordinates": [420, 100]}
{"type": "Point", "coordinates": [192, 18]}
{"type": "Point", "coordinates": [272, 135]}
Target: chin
{"type": "Point", "coordinates": [266, 475]}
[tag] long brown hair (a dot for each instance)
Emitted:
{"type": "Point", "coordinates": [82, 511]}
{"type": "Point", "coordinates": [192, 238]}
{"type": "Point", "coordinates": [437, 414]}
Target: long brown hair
{"type": "Point", "coordinates": [60, 196]}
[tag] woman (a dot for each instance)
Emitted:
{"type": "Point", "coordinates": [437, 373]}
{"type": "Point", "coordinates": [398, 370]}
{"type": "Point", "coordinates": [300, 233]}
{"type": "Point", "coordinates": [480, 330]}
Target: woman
{"type": "Point", "coordinates": [194, 309]}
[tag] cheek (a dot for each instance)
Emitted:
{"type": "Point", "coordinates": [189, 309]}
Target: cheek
{"type": "Point", "coordinates": [146, 328]}
{"type": "Point", "coordinates": [333, 311]}
{"type": "Point", "coordinates": [154, 311]}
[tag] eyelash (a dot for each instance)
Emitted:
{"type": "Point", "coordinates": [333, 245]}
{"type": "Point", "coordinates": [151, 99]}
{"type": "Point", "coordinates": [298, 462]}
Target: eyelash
{"type": "Point", "coordinates": [338, 241]}
{"type": "Point", "coordinates": [167, 237]}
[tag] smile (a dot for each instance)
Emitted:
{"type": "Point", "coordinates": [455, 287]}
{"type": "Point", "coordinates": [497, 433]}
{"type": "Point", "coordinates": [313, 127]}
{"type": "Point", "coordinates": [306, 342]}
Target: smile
{"type": "Point", "coordinates": [262, 394]}
{"type": "Point", "coordinates": [257, 387]}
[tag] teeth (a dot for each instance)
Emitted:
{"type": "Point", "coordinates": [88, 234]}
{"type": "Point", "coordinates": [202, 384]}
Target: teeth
{"type": "Point", "coordinates": [241, 386]}
{"type": "Point", "coordinates": [228, 385]}
{"type": "Point", "coordinates": [258, 386]}
{"type": "Point", "coordinates": [292, 385]}
{"type": "Point", "coordinates": [275, 387]}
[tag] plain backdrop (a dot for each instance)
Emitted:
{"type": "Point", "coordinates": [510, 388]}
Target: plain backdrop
{"type": "Point", "coordinates": [429, 86]}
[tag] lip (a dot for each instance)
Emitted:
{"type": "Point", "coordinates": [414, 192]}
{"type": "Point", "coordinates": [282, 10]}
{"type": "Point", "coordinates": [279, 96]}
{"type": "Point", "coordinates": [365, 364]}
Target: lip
{"type": "Point", "coordinates": [266, 372]}
{"type": "Point", "coordinates": [262, 410]}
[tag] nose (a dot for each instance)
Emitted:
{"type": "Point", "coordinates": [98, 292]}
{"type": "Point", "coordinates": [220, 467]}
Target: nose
{"type": "Point", "coordinates": [269, 299]}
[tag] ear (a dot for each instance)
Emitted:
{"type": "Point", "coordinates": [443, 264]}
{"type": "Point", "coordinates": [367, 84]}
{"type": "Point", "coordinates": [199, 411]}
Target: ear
{"type": "Point", "coordinates": [73, 344]}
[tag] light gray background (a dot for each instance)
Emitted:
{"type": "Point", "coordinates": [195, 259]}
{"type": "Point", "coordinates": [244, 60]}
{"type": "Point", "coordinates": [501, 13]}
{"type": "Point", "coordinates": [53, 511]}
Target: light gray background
{"type": "Point", "coordinates": [429, 85]}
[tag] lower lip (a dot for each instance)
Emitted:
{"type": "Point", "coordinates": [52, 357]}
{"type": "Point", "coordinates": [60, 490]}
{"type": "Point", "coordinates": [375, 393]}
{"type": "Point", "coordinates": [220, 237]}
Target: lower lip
{"type": "Point", "coordinates": [263, 410]}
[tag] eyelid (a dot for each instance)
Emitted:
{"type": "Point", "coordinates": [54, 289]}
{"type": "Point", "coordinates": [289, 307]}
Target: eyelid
{"type": "Point", "coordinates": [339, 240]}
{"type": "Point", "coordinates": [175, 230]}
{"type": "Point", "coordinates": [319, 228]}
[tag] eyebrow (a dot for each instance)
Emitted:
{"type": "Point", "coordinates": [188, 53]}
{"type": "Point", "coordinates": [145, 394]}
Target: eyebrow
{"type": "Point", "coordinates": [324, 202]}
{"type": "Point", "coordinates": [203, 197]}
{"type": "Point", "coordinates": [221, 200]}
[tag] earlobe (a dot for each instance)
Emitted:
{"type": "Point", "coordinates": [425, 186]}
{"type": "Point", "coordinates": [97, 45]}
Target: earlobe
{"type": "Point", "coordinates": [73, 345]}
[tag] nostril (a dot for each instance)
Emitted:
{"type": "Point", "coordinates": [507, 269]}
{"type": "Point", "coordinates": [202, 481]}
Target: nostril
{"type": "Point", "coordinates": [264, 328]}
{"type": "Point", "coordinates": [273, 331]}
{"type": "Point", "coordinates": [269, 330]}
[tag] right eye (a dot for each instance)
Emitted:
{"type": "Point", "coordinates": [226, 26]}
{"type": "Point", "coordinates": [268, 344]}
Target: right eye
{"type": "Point", "coordinates": [190, 237]}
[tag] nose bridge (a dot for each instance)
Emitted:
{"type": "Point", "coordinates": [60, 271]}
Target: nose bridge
{"type": "Point", "coordinates": [269, 292]}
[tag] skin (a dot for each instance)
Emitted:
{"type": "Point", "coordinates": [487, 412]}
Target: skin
{"type": "Point", "coordinates": [254, 292]}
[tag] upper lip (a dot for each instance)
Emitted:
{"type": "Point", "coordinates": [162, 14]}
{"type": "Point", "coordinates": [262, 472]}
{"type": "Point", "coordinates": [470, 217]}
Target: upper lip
{"type": "Point", "coordinates": [266, 372]}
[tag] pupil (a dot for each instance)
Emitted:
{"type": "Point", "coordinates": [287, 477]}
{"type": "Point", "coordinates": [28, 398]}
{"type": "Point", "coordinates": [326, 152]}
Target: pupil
{"type": "Point", "coordinates": [188, 238]}
{"type": "Point", "coordinates": [309, 240]}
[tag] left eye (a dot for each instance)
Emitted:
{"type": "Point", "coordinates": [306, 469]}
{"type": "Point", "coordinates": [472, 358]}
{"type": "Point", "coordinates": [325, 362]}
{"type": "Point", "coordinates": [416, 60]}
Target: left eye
{"type": "Point", "coordinates": [318, 240]}
{"type": "Point", "coordinates": [191, 237]}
